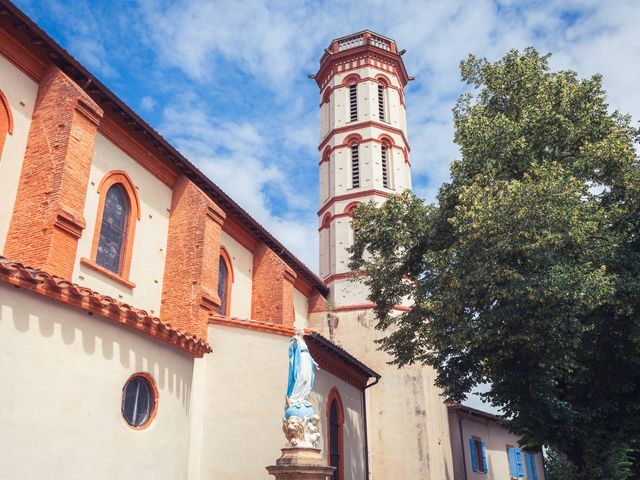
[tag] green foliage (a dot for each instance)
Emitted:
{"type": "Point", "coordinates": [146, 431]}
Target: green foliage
{"type": "Point", "coordinates": [526, 273]}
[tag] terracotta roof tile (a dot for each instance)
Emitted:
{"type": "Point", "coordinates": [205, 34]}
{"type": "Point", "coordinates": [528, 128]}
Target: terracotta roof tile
{"type": "Point", "coordinates": [57, 288]}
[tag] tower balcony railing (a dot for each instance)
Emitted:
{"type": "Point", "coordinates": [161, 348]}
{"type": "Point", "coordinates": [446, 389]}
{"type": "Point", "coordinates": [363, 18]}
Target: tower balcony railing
{"type": "Point", "coordinates": [363, 38]}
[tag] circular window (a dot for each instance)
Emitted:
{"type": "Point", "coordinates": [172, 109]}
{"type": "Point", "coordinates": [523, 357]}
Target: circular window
{"type": "Point", "coordinates": [139, 400]}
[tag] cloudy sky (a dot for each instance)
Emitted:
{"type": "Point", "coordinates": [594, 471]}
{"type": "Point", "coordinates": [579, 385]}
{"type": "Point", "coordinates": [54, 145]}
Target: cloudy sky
{"type": "Point", "coordinates": [226, 81]}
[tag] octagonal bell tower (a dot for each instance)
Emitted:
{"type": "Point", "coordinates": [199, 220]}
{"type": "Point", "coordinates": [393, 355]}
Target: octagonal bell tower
{"type": "Point", "coordinates": [364, 152]}
{"type": "Point", "coordinates": [364, 155]}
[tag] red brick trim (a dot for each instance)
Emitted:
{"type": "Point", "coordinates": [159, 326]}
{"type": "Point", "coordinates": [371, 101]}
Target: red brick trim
{"type": "Point", "coordinates": [235, 230]}
{"type": "Point", "coordinates": [87, 262]}
{"type": "Point", "coordinates": [348, 196]}
{"type": "Point", "coordinates": [54, 177]}
{"type": "Point", "coordinates": [90, 301]}
{"type": "Point", "coordinates": [332, 396]}
{"type": "Point", "coordinates": [156, 399]}
{"type": "Point", "coordinates": [377, 79]}
{"type": "Point", "coordinates": [267, 327]}
{"type": "Point", "coordinates": [272, 288]}
{"type": "Point", "coordinates": [6, 117]}
{"type": "Point", "coordinates": [118, 135]}
{"type": "Point", "coordinates": [351, 79]}
{"type": "Point", "coordinates": [117, 177]}
{"type": "Point", "coordinates": [190, 285]}
{"type": "Point", "coordinates": [326, 156]}
{"type": "Point", "coordinates": [31, 65]}
{"type": "Point", "coordinates": [365, 124]}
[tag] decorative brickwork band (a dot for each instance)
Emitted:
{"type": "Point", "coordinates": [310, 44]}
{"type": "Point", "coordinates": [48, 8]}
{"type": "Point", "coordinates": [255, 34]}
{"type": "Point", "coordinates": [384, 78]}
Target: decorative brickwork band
{"type": "Point", "coordinates": [189, 293]}
{"type": "Point", "coordinates": [48, 215]}
{"type": "Point", "coordinates": [272, 290]}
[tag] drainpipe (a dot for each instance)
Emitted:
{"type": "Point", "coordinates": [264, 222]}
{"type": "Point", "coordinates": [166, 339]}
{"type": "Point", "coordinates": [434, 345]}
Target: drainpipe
{"type": "Point", "coordinates": [464, 455]}
{"type": "Point", "coordinates": [366, 433]}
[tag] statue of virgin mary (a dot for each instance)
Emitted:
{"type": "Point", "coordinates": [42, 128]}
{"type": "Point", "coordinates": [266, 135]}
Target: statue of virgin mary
{"type": "Point", "coordinates": [302, 371]}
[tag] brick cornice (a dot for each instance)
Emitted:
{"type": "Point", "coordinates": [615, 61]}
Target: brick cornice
{"type": "Point", "coordinates": [355, 126]}
{"type": "Point", "coordinates": [348, 196]}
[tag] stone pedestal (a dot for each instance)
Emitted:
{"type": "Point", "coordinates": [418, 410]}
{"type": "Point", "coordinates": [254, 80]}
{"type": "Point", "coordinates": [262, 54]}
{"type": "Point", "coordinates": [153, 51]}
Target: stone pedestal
{"type": "Point", "coordinates": [300, 463]}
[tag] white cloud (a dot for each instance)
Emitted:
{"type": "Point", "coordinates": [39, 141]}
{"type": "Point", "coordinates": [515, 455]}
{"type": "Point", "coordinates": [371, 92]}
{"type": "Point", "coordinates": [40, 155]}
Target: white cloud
{"type": "Point", "coordinates": [148, 103]}
{"type": "Point", "coordinates": [273, 45]}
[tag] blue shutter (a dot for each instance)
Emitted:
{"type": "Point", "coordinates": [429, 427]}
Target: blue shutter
{"type": "Point", "coordinates": [519, 463]}
{"type": "Point", "coordinates": [513, 465]}
{"type": "Point", "coordinates": [474, 456]}
{"type": "Point", "coordinates": [534, 470]}
{"type": "Point", "coordinates": [484, 458]}
{"type": "Point", "coordinates": [527, 458]}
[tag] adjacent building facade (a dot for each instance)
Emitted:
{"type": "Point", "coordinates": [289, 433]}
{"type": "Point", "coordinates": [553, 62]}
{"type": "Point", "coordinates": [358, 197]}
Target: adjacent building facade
{"type": "Point", "coordinates": [145, 316]}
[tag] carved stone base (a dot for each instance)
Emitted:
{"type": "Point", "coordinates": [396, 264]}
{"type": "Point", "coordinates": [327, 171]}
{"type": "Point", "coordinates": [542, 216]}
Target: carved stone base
{"type": "Point", "coordinates": [300, 463]}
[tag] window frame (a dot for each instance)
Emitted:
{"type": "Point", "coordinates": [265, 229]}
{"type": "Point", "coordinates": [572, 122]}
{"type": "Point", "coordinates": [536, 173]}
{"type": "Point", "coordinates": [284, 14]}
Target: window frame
{"type": "Point", "coordinates": [334, 396]}
{"type": "Point", "coordinates": [6, 120]}
{"type": "Point", "coordinates": [154, 391]}
{"type": "Point", "coordinates": [226, 258]}
{"type": "Point", "coordinates": [112, 178]}
{"type": "Point", "coordinates": [479, 453]}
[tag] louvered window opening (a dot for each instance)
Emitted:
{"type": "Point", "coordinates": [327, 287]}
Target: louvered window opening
{"type": "Point", "coordinates": [355, 166]}
{"type": "Point", "coordinates": [381, 103]}
{"type": "Point", "coordinates": [385, 169]}
{"type": "Point", "coordinates": [334, 439]}
{"type": "Point", "coordinates": [353, 101]}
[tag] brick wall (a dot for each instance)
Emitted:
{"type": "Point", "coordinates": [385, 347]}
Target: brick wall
{"type": "Point", "coordinates": [189, 291]}
{"type": "Point", "coordinates": [47, 218]}
{"type": "Point", "coordinates": [272, 288]}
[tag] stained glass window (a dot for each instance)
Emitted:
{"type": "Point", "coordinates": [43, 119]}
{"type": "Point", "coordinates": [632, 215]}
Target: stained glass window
{"type": "Point", "coordinates": [223, 276]}
{"type": "Point", "coordinates": [113, 230]}
{"type": "Point", "coordinates": [138, 401]}
{"type": "Point", "coordinates": [334, 439]}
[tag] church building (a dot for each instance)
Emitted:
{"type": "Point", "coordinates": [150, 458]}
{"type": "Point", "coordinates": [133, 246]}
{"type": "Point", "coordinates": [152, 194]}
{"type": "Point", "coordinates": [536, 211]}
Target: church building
{"type": "Point", "coordinates": [145, 316]}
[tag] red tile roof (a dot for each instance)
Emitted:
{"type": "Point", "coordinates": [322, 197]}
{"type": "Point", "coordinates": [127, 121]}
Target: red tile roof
{"type": "Point", "coordinates": [57, 288]}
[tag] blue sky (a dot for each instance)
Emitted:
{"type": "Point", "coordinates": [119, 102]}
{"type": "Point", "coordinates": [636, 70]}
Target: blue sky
{"type": "Point", "coordinates": [226, 81]}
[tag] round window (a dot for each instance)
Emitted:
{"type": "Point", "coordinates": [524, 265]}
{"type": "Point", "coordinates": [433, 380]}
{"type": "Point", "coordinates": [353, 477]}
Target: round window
{"type": "Point", "coordinates": [139, 400]}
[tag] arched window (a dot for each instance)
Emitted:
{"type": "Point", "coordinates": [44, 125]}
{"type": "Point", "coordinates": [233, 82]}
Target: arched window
{"type": "Point", "coordinates": [355, 165]}
{"type": "Point", "coordinates": [353, 102]}
{"type": "Point", "coordinates": [6, 120]}
{"type": "Point", "coordinates": [113, 230]}
{"type": "Point", "coordinates": [118, 211]}
{"type": "Point", "coordinates": [335, 417]}
{"type": "Point", "coordinates": [225, 279]}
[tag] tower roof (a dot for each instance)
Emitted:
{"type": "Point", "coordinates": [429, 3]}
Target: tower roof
{"type": "Point", "coordinates": [355, 45]}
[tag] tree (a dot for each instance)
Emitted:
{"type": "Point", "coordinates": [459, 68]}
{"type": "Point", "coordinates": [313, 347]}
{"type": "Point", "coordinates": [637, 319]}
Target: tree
{"type": "Point", "coordinates": [525, 274]}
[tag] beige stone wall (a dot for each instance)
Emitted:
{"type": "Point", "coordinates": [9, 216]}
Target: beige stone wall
{"type": "Point", "coordinates": [495, 439]}
{"type": "Point", "coordinates": [242, 260]}
{"type": "Point", "coordinates": [408, 428]}
{"type": "Point", "coordinates": [21, 93]}
{"type": "Point", "coordinates": [62, 376]}
{"type": "Point", "coordinates": [300, 309]}
{"type": "Point", "coordinates": [150, 241]}
{"type": "Point", "coordinates": [245, 381]}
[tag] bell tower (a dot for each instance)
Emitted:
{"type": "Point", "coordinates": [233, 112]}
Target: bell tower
{"type": "Point", "coordinates": [364, 155]}
{"type": "Point", "coordinates": [364, 152]}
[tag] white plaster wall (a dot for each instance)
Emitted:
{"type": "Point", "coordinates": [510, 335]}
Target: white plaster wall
{"type": "Point", "coordinates": [353, 428]}
{"type": "Point", "coordinates": [246, 381]}
{"type": "Point", "coordinates": [62, 376]}
{"type": "Point", "coordinates": [495, 439]}
{"type": "Point", "coordinates": [324, 181]}
{"type": "Point", "coordinates": [242, 260]}
{"type": "Point", "coordinates": [400, 408]}
{"type": "Point", "coordinates": [150, 241]}
{"type": "Point", "coordinates": [300, 309]}
{"type": "Point", "coordinates": [21, 93]}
